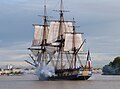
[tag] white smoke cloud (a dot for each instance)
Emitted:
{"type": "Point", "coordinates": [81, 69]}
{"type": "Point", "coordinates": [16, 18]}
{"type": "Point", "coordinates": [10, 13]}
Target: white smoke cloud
{"type": "Point", "coordinates": [45, 71]}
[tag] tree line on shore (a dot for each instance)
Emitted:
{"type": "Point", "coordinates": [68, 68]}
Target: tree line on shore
{"type": "Point", "coordinates": [113, 68]}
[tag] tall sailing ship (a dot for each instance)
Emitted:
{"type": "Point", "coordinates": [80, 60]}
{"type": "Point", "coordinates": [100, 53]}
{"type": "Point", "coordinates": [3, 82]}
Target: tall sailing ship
{"type": "Point", "coordinates": [57, 48]}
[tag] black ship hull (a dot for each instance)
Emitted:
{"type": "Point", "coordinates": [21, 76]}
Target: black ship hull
{"type": "Point", "coordinates": [72, 74]}
{"type": "Point", "coordinates": [73, 77]}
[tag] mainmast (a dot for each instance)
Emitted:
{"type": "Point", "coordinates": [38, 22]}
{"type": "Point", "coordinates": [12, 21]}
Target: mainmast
{"type": "Point", "coordinates": [45, 25]}
{"type": "Point", "coordinates": [60, 36]}
{"type": "Point", "coordinates": [60, 33]}
{"type": "Point", "coordinates": [74, 48]}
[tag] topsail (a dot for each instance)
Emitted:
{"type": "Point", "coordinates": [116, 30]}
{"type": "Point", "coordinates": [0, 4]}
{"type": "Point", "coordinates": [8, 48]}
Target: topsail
{"type": "Point", "coordinates": [38, 35]}
{"type": "Point", "coordinates": [69, 46]}
{"type": "Point", "coordinates": [54, 30]}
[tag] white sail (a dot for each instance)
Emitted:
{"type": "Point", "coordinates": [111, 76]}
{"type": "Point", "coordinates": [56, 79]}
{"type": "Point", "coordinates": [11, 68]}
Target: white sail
{"type": "Point", "coordinates": [67, 27]}
{"type": "Point", "coordinates": [38, 35]}
{"type": "Point", "coordinates": [54, 30]}
{"type": "Point", "coordinates": [78, 41]}
{"type": "Point", "coordinates": [69, 41]}
{"type": "Point", "coordinates": [37, 41]}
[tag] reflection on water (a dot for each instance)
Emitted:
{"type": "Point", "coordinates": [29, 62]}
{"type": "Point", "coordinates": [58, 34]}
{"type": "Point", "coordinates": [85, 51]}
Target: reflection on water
{"type": "Point", "coordinates": [97, 81]}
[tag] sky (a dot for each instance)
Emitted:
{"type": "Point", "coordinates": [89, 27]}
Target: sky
{"type": "Point", "coordinates": [98, 19]}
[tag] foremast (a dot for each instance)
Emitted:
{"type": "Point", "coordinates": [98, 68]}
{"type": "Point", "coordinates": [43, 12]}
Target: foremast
{"type": "Point", "coordinates": [42, 56]}
{"type": "Point", "coordinates": [40, 41]}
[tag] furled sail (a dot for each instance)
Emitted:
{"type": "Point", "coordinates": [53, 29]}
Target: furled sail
{"type": "Point", "coordinates": [69, 41]}
{"type": "Point", "coordinates": [54, 30]}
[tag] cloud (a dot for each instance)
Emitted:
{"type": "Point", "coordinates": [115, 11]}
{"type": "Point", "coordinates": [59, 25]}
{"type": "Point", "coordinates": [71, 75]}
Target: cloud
{"type": "Point", "coordinates": [99, 20]}
{"type": "Point", "coordinates": [101, 59]}
{"type": "Point", "coordinates": [12, 1]}
{"type": "Point", "coordinates": [15, 64]}
{"type": "Point", "coordinates": [14, 52]}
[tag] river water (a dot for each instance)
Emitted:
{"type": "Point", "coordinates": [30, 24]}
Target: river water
{"type": "Point", "coordinates": [97, 81]}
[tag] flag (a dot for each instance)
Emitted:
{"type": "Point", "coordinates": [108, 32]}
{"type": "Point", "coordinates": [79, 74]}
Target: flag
{"type": "Point", "coordinates": [88, 60]}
